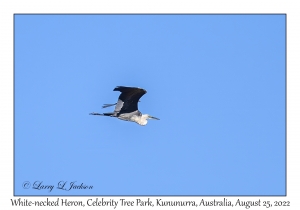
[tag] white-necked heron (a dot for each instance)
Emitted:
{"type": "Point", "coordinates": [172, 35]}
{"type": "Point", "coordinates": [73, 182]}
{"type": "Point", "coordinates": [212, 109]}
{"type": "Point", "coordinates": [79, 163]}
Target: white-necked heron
{"type": "Point", "coordinates": [127, 106]}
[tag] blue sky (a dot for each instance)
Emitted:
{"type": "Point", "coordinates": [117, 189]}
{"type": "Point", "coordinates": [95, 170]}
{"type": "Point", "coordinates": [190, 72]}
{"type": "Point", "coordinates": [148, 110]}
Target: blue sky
{"type": "Point", "coordinates": [217, 82]}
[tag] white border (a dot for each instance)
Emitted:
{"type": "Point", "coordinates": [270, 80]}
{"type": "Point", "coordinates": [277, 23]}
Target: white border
{"type": "Point", "coordinates": [8, 8]}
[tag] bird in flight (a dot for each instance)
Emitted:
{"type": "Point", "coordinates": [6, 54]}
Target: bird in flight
{"type": "Point", "coordinates": [127, 106]}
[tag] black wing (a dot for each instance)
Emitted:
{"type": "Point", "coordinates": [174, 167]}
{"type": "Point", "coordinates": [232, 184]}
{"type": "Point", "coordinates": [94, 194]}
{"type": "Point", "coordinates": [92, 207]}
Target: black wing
{"type": "Point", "coordinates": [128, 99]}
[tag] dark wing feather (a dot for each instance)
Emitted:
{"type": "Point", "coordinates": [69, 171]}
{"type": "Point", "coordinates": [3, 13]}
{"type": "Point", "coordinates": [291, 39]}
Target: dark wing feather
{"type": "Point", "coordinates": [128, 99]}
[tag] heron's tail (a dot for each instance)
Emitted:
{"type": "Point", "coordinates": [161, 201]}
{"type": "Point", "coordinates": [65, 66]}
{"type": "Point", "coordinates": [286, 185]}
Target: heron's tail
{"type": "Point", "coordinates": [108, 105]}
{"type": "Point", "coordinates": [111, 114]}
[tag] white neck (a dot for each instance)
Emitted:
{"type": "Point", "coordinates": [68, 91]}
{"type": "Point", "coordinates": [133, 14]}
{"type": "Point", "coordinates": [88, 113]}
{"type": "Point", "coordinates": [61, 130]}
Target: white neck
{"type": "Point", "coordinates": [141, 120]}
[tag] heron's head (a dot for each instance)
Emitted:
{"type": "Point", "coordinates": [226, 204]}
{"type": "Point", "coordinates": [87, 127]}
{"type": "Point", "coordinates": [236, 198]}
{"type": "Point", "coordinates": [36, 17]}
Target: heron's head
{"type": "Point", "coordinates": [144, 118]}
{"type": "Point", "coordinates": [147, 116]}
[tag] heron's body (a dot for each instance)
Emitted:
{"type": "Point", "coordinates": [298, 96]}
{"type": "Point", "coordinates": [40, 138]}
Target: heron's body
{"type": "Point", "coordinates": [127, 106]}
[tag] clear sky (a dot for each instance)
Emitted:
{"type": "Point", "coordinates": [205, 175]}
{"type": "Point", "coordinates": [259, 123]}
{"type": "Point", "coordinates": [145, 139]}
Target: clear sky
{"type": "Point", "coordinates": [217, 82]}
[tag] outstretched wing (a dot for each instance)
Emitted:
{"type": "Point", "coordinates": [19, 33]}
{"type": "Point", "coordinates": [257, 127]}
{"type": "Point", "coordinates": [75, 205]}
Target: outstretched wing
{"type": "Point", "coordinates": [128, 99]}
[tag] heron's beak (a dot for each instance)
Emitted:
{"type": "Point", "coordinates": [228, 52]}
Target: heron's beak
{"type": "Point", "coordinates": [153, 118]}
